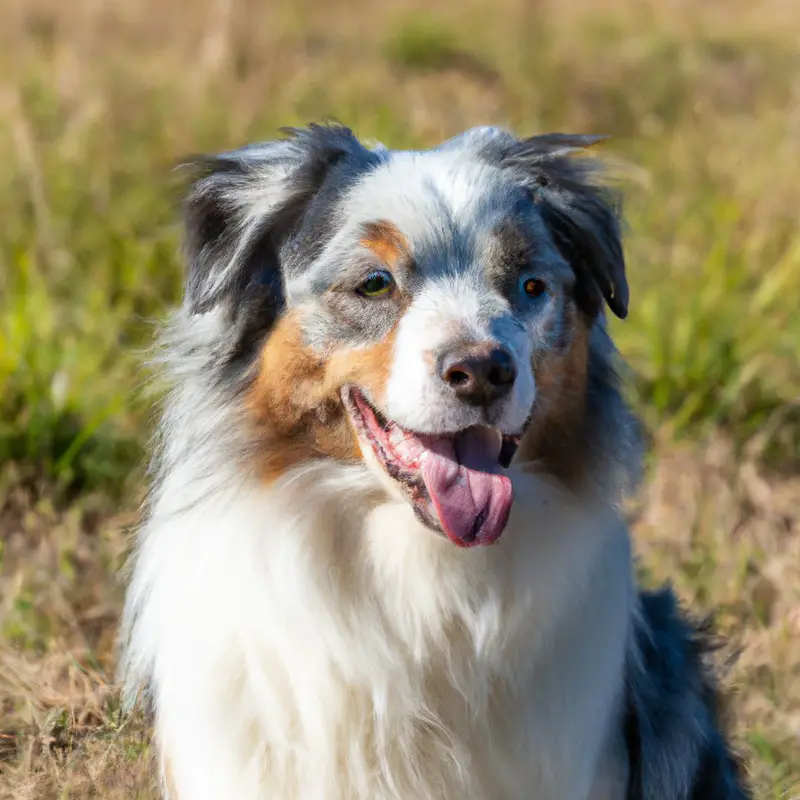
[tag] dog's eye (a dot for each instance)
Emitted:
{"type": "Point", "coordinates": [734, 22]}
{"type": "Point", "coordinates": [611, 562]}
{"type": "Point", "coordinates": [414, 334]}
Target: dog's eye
{"type": "Point", "coordinates": [534, 287]}
{"type": "Point", "coordinates": [376, 284]}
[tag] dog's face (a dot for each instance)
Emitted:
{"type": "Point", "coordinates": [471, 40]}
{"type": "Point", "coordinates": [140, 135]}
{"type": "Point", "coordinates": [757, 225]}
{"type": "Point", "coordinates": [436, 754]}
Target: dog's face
{"type": "Point", "coordinates": [418, 310]}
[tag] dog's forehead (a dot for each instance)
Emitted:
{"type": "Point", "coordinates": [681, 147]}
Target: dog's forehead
{"type": "Point", "coordinates": [424, 192]}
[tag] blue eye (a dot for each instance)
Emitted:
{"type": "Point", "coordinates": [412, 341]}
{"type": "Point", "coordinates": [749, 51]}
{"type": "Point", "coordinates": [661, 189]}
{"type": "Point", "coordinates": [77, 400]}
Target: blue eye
{"type": "Point", "coordinates": [376, 284]}
{"type": "Point", "coordinates": [534, 287]}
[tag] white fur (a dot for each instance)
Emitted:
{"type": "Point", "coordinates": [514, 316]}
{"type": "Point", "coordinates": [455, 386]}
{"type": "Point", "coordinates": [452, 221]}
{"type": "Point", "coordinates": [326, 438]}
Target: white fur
{"type": "Point", "coordinates": [312, 640]}
{"type": "Point", "coordinates": [454, 309]}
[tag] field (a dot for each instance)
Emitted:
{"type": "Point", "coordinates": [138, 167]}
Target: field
{"type": "Point", "coordinates": [98, 100]}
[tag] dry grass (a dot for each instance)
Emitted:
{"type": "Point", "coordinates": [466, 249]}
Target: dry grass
{"type": "Point", "coordinates": [97, 99]}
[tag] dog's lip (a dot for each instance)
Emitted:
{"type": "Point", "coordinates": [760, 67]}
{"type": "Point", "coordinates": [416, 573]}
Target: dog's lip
{"type": "Point", "coordinates": [410, 480]}
{"type": "Point", "coordinates": [410, 459]}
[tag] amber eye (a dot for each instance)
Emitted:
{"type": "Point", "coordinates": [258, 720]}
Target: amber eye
{"type": "Point", "coordinates": [376, 284]}
{"type": "Point", "coordinates": [534, 287]}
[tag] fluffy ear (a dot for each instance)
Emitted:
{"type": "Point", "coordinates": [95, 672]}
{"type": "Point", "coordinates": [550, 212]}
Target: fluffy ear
{"type": "Point", "coordinates": [583, 216]}
{"type": "Point", "coordinates": [243, 207]}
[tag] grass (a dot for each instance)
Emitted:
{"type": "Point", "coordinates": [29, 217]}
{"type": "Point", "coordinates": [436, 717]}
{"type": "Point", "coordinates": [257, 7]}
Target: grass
{"type": "Point", "coordinates": [98, 100]}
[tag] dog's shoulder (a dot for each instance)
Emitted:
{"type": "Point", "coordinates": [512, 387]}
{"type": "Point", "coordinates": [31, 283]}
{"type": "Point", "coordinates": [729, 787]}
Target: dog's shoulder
{"type": "Point", "coordinates": [677, 747]}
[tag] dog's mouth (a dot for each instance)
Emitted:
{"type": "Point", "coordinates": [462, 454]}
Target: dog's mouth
{"type": "Point", "coordinates": [455, 482]}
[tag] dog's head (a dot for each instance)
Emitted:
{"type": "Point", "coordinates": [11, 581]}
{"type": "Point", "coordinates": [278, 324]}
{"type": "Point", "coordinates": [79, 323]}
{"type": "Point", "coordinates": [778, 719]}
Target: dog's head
{"type": "Point", "coordinates": [417, 310]}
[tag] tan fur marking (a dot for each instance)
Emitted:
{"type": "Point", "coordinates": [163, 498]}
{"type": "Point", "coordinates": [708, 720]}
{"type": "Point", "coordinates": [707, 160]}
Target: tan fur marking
{"type": "Point", "coordinates": [295, 402]}
{"type": "Point", "coordinates": [556, 438]}
{"type": "Point", "coordinates": [387, 242]}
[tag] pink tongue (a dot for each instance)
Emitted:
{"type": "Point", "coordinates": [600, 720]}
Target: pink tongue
{"type": "Point", "coordinates": [472, 503]}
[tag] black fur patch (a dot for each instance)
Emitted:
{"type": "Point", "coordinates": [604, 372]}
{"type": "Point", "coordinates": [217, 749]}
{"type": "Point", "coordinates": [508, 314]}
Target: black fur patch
{"type": "Point", "coordinates": [676, 746]}
{"type": "Point", "coordinates": [218, 202]}
{"type": "Point", "coordinates": [583, 217]}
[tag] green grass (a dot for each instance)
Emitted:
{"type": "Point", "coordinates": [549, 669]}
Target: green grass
{"type": "Point", "coordinates": [421, 43]}
{"type": "Point", "coordinates": [700, 101]}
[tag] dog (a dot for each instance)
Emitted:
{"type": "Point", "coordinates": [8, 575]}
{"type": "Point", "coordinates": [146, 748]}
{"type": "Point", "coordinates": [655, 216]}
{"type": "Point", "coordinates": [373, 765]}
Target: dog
{"type": "Point", "coordinates": [383, 555]}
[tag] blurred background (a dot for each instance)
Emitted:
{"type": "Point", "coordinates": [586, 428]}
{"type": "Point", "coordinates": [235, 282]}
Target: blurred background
{"type": "Point", "coordinates": [98, 100]}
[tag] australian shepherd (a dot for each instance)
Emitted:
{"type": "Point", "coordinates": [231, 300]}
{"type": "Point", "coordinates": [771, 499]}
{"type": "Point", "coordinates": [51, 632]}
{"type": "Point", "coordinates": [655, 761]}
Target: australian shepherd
{"type": "Point", "coordinates": [383, 556]}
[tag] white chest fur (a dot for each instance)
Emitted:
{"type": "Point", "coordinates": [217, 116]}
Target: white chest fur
{"type": "Point", "coordinates": [308, 641]}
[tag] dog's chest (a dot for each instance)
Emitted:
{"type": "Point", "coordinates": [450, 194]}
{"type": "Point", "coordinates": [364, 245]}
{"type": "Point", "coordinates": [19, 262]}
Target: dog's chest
{"type": "Point", "coordinates": [551, 739]}
{"type": "Point", "coordinates": [454, 721]}
{"type": "Point", "coordinates": [408, 671]}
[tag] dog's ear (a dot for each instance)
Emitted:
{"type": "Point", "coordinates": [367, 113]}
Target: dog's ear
{"type": "Point", "coordinates": [242, 208]}
{"type": "Point", "coordinates": [582, 215]}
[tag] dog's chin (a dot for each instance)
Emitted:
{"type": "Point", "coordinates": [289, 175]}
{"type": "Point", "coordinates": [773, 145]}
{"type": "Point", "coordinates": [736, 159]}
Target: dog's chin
{"type": "Point", "coordinates": [455, 482]}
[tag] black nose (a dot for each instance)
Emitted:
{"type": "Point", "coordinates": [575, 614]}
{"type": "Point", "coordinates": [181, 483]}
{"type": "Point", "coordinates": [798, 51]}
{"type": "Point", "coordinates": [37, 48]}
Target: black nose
{"type": "Point", "coordinates": [479, 375]}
